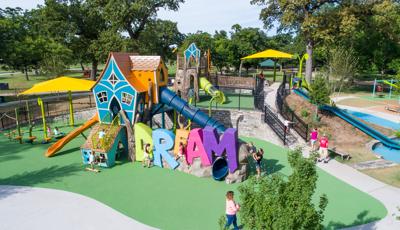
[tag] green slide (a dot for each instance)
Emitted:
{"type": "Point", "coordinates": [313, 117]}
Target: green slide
{"type": "Point", "coordinates": [217, 95]}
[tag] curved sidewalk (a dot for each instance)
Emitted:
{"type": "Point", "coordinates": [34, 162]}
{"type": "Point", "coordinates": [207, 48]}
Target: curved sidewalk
{"type": "Point", "coordinates": [39, 208]}
{"type": "Point", "coordinates": [388, 195]}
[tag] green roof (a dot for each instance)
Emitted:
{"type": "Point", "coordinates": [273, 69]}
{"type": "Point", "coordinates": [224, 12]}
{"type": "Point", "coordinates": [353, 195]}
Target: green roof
{"type": "Point", "coordinates": [268, 63]}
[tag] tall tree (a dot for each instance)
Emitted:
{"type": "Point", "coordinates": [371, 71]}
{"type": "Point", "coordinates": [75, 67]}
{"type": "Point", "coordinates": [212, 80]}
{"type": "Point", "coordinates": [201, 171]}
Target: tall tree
{"type": "Point", "coordinates": [82, 28]}
{"type": "Point", "coordinates": [132, 16]}
{"type": "Point", "coordinates": [305, 17]}
{"type": "Point", "coordinates": [246, 41]}
{"type": "Point", "coordinates": [24, 45]}
{"type": "Point", "coordinates": [157, 38]}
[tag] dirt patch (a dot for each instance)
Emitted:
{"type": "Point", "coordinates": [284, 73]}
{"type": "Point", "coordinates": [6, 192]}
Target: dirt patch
{"type": "Point", "coordinates": [342, 135]}
{"type": "Point", "coordinates": [388, 175]}
{"type": "Point", "coordinates": [358, 102]}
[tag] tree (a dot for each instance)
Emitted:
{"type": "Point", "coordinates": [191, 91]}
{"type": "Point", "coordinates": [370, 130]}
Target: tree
{"type": "Point", "coordinates": [222, 55]}
{"type": "Point", "coordinates": [157, 38]}
{"type": "Point", "coordinates": [307, 18]}
{"type": "Point", "coordinates": [132, 16]}
{"type": "Point", "coordinates": [81, 27]}
{"type": "Point", "coordinates": [342, 65]}
{"type": "Point", "coordinates": [24, 46]}
{"type": "Point", "coordinates": [276, 203]}
{"type": "Point", "coordinates": [319, 93]}
{"type": "Point", "coordinates": [246, 41]}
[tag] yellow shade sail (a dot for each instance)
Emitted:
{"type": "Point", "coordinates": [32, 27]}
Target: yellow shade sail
{"type": "Point", "coordinates": [270, 53]}
{"type": "Point", "coordinates": [60, 85]}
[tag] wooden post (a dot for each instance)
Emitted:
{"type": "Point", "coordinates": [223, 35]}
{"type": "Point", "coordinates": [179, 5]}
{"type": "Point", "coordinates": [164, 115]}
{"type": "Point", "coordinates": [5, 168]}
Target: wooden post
{"type": "Point", "coordinates": [28, 111]}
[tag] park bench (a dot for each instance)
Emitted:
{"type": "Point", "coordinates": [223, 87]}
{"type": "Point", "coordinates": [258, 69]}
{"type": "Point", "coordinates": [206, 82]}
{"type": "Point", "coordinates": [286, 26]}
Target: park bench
{"type": "Point", "coordinates": [344, 156]}
{"type": "Point", "coordinates": [393, 108]}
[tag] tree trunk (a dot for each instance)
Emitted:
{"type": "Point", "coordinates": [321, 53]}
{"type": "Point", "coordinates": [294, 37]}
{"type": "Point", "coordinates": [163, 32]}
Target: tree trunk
{"type": "Point", "coordinates": [93, 73]}
{"type": "Point", "coordinates": [309, 63]}
{"type": "Point", "coordinates": [83, 68]}
{"type": "Point", "coordinates": [26, 73]}
{"type": "Point", "coordinates": [130, 136]}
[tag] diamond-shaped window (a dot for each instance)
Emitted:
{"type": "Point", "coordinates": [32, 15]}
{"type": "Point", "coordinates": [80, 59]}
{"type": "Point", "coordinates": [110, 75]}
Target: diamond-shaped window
{"type": "Point", "coordinates": [113, 79]}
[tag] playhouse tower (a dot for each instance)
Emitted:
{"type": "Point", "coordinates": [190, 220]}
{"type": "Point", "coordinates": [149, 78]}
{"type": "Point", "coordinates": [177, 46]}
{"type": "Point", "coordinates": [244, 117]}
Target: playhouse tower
{"type": "Point", "coordinates": [189, 68]}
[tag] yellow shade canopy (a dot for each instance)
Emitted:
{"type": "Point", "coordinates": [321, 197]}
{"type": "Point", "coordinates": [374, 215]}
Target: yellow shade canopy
{"type": "Point", "coordinates": [60, 85]}
{"type": "Point", "coordinates": [270, 53]}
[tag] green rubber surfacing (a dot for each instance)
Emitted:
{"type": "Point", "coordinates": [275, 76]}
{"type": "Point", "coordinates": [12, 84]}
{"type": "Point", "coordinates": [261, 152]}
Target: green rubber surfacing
{"type": "Point", "coordinates": [164, 198]}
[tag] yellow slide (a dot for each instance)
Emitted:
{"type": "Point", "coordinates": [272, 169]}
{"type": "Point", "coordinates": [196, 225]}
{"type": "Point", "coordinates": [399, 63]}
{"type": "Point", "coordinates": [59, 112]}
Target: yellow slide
{"type": "Point", "coordinates": [63, 141]}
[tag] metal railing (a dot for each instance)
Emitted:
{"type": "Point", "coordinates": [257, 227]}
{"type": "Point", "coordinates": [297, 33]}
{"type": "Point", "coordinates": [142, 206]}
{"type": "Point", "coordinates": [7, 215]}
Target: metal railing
{"type": "Point", "coordinates": [29, 111]}
{"type": "Point", "coordinates": [276, 125]}
{"type": "Point", "coordinates": [299, 125]}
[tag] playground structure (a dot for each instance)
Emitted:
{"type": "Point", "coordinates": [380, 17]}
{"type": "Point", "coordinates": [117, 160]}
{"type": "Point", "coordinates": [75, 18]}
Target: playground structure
{"type": "Point", "coordinates": [378, 88]}
{"type": "Point", "coordinates": [129, 92]}
{"type": "Point", "coordinates": [193, 73]}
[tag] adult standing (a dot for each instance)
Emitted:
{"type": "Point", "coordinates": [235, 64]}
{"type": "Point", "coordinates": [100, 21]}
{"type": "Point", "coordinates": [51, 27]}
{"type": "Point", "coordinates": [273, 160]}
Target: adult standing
{"type": "Point", "coordinates": [323, 149]}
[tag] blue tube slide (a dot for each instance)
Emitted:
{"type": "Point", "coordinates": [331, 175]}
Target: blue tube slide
{"type": "Point", "coordinates": [363, 127]}
{"type": "Point", "coordinates": [220, 168]}
{"type": "Point", "coordinates": [388, 142]}
{"type": "Point", "coordinates": [170, 99]}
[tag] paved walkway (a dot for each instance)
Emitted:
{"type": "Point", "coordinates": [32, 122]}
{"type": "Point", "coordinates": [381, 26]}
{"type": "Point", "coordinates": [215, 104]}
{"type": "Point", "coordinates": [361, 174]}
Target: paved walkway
{"type": "Point", "coordinates": [38, 208]}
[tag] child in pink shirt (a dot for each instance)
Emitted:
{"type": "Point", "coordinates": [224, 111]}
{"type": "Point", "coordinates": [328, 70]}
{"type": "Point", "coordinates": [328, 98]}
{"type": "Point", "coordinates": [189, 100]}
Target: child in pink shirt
{"type": "Point", "coordinates": [231, 209]}
{"type": "Point", "coordinates": [314, 138]}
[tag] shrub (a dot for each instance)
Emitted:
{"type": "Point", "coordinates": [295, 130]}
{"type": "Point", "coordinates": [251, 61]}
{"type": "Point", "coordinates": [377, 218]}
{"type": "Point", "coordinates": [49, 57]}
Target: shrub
{"type": "Point", "coordinates": [397, 133]}
{"type": "Point", "coordinates": [304, 113]}
{"type": "Point", "coordinates": [278, 203]}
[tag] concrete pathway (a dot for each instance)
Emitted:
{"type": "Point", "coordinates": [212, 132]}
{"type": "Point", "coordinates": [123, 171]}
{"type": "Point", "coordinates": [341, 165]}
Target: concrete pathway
{"type": "Point", "coordinates": [38, 208]}
{"type": "Point", "coordinates": [388, 195]}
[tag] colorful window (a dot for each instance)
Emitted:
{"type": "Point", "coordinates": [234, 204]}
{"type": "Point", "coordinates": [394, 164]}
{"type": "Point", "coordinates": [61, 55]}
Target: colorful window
{"type": "Point", "coordinates": [113, 79]}
{"type": "Point", "coordinates": [102, 96]}
{"type": "Point", "coordinates": [127, 98]}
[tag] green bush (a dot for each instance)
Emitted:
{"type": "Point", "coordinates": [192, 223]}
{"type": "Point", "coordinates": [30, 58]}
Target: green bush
{"type": "Point", "coordinates": [397, 133]}
{"type": "Point", "coordinates": [222, 222]}
{"type": "Point", "coordinates": [304, 113]}
{"type": "Point", "coordinates": [274, 202]}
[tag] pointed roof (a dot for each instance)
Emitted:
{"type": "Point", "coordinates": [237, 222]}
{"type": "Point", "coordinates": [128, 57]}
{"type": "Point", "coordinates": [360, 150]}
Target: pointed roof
{"type": "Point", "coordinates": [130, 62]}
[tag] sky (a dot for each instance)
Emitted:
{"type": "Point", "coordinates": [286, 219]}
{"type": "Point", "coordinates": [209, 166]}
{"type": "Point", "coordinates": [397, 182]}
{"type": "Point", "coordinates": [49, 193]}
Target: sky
{"type": "Point", "coordinates": [193, 15]}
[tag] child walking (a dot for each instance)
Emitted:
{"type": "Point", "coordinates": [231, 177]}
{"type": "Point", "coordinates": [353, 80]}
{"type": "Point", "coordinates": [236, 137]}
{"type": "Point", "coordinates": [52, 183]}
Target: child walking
{"type": "Point", "coordinates": [313, 138]}
{"type": "Point", "coordinates": [231, 209]}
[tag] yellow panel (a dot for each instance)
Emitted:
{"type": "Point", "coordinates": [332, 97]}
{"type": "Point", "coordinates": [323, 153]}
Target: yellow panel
{"type": "Point", "coordinates": [269, 54]}
{"type": "Point", "coordinates": [180, 136]}
{"type": "Point", "coordinates": [60, 84]}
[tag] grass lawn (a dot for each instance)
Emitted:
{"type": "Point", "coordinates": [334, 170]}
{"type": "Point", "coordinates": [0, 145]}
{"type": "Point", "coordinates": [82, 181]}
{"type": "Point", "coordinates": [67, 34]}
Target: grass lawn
{"type": "Point", "coordinates": [161, 197]}
{"type": "Point", "coordinates": [17, 80]}
{"type": "Point", "coordinates": [390, 175]}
